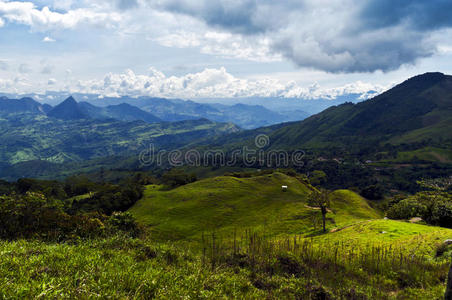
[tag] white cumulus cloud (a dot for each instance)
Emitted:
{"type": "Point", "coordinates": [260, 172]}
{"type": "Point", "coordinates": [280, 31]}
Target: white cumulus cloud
{"type": "Point", "coordinates": [48, 39]}
{"type": "Point", "coordinates": [45, 19]}
{"type": "Point", "coordinates": [213, 83]}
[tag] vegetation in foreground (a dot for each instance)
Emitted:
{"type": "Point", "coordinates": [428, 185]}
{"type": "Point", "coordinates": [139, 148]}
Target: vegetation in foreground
{"type": "Point", "coordinates": [205, 239]}
{"type": "Point", "coordinates": [248, 267]}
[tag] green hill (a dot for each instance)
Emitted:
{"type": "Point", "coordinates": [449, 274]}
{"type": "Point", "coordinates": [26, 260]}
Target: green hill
{"type": "Point", "coordinates": [227, 204]}
{"type": "Point", "coordinates": [417, 110]}
{"type": "Point", "coordinates": [415, 237]}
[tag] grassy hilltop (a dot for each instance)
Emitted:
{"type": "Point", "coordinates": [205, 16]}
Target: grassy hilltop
{"type": "Point", "coordinates": [227, 204]}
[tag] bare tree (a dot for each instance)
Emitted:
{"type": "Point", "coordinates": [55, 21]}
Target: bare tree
{"type": "Point", "coordinates": [321, 199]}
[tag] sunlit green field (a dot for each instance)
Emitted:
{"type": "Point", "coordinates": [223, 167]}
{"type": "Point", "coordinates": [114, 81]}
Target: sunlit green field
{"type": "Point", "coordinates": [227, 204]}
{"type": "Point", "coordinates": [241, 238]}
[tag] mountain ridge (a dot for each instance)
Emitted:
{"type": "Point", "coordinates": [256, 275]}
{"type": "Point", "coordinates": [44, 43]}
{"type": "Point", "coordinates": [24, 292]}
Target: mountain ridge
{"type": "Point", "coordinates": [244, 115]}
{"type": "Point", "coordinates": [122, 112]}
{"type": "Point", "coordinates": [415, 110]}
{"type": "Point", "coordinates": [22, 105]}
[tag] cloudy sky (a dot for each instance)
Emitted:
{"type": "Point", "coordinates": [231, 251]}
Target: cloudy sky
{"type": "Point", "coordinates": [221, 48]}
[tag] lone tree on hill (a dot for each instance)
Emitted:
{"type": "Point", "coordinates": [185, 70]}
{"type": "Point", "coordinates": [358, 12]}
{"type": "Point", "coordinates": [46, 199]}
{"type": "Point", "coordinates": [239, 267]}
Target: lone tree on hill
{"type": "Point", "coordinates": [321, 199]}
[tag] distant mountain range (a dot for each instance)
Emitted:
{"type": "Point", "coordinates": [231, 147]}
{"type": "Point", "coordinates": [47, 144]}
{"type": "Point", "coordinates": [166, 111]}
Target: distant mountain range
{"type": "Point", "coordinates": [153, 110]}
{"type": "Point", "coordinates": [70, 109]}
{"type": "Point", "coordinates": [414, 117]}
{"type": "Point", "coordinates": [243, 115]}
{"type": "Point", "coordinates": [35, 134]}
{"type": "Point", "coordinates": [22, 105]}
{"type": "Point", "coordinates": [123, 112]}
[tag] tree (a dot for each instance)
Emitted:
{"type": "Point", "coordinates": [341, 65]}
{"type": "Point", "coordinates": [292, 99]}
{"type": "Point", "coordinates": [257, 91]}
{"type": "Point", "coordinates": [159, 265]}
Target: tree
{"type": "Point", "coordinates": [434, 207]}
{"type": "Point", "coordinates": [318, 177]}
{"type": "Point", "coordinates": [372, 192]}
{"type": "Point", "coordinates": [321, 199]}
{"type": "Point", "coordinates": [178, 177]}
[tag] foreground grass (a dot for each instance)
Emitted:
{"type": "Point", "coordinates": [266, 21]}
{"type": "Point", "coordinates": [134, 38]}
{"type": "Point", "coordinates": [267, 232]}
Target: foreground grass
{"type": "Point", "coordinates": [379, 259]}
{"type": "Point", "coordinates": [121, 268]}
{"type": "Point", "coordinates": [358, 262]}
{"type": "Point", "coordinates": [112, 268]}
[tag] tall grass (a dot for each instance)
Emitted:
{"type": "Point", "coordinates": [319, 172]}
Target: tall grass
{"type": "Point", "coordinates": [244, 266]}
{"type": "Point", "coordinates": [337, 266]}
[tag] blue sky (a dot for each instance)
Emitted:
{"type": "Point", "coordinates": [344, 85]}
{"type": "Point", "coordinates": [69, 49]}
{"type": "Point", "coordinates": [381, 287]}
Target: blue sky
{"type": "Point", "coordinates": [217, 48]}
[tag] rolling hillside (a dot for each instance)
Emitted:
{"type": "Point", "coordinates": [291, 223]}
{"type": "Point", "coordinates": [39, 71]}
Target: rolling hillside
{"type": "Point", "coordinates": [416, 110]}
{"type": "Point", "coordinates": [226, 204]}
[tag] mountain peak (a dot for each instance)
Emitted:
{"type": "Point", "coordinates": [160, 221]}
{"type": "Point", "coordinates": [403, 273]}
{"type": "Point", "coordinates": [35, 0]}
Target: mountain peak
{"type": "Point", "coordinates": [429, 76]}
{"type": "Point", "coordinates": [425, 80]}
{"type": "Point", "coordinates": [412, 87]}
{"type": "Point", "coordinates": [69, 109]}
{"type": "Point", "coordinates": [70, 99]}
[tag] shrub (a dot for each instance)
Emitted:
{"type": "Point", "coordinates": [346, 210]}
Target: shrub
{"type": "Point", "coordinates": [109, 198]}
{"type": "Point", "coordinates": [125, 222]}
{"type": "Point", "coordinates": [34, 215]}
{"type": "Point", "coordinates": [407, 209]}
{"type": "Point", "coordinates": [21, 216]}
{"type": "Point", "coordinates": [433, 207]}
{"type": "Point", "coordinates": [441, 214]}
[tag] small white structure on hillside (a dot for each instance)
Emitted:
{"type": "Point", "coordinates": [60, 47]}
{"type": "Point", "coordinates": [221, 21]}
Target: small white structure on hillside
{"type": "Point", "coordinates": [284, 188]}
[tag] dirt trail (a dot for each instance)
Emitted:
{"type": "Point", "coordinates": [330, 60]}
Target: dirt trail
{"type": "Point", "coordinates": [342, 228]}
